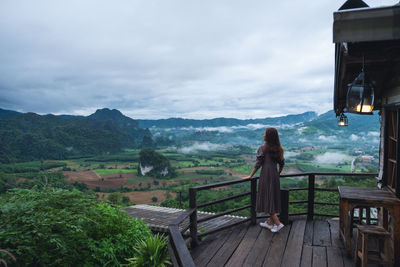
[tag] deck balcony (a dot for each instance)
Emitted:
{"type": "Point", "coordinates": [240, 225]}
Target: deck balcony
{"type": "Point", "coordinates": [310, 238]}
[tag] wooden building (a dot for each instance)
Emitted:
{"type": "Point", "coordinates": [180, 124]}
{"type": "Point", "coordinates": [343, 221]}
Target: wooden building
{"type": "Point", "coordinates": [372, 35]}
{"type": "Point", "coordinates": [367, 41]}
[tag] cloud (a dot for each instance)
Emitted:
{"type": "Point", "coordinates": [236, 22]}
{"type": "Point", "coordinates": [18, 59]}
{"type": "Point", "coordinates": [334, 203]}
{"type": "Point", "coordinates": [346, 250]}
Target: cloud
{"type": "Point", "coordinates": [290, 154]}
{"type": "Point", "coordinates": [204, 146]}
{"type": "Point", "coordinates": [331, 158]}
{"type": "Point", "coordinates": [300, 130]}
{"type": "Point", "coordinates": [159, 59]}
{"type": "Point", "coordinates": [375, 134]}
{"type": "Point", "coordinates": [328, 139]}
{"type": "Point", "coordinates": [353, 137]}
{"type": "Point", "coordinates": [221, 129]}
{"type": "Point", "coordinates": [231, 129]}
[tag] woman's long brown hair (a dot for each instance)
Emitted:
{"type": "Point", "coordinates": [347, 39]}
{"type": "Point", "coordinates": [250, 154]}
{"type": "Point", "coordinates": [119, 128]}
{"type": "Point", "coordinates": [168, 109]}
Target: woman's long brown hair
{"type": "Point", "coordinates": [273, 145]}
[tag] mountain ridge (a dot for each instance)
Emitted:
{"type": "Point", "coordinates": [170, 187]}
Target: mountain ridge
{"type": "Point", "coordinates": [222, 121]}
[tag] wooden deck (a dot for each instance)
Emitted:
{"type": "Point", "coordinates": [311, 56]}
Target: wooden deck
{"type": "Point", "coordinates": [158, 218]}
{"type": "Point", "coordinates": [301, 243]}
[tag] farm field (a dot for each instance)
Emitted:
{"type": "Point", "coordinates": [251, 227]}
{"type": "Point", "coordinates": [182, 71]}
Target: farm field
{"type": "Point", "coordinates": [107, 175]}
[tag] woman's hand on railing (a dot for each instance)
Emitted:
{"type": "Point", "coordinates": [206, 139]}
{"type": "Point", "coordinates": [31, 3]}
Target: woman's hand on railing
{"type": "Point", "coordinates": [246, 177]}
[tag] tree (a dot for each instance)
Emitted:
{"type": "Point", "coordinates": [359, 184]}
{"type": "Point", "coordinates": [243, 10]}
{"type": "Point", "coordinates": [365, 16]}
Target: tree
{"type": "Point", "coordinates": [157, 164]}
{"type": "Point", "coordinates": [115, 198]}
{"type": "Point", "coordinates": [147, 142]}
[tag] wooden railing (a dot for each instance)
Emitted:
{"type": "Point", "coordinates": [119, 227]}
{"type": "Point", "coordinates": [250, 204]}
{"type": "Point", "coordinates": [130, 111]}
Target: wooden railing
{"type": "Point", "coordinates": [181, 252]}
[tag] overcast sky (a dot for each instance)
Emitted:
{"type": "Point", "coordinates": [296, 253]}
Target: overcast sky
{"type": "Point", "coordinates": [168, 58]}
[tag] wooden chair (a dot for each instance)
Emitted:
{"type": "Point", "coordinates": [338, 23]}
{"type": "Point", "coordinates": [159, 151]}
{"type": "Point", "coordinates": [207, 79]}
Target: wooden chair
{"type": "Point", "coordinates": [363, 255]}
{"type": "Point", "coordinates": [360, 219]}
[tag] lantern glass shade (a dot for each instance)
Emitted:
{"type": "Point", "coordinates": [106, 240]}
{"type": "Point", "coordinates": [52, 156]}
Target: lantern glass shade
{"type": "Point", "coordinates": [360, 96]}
{"type": "Point", "coordinates": [342, 120]}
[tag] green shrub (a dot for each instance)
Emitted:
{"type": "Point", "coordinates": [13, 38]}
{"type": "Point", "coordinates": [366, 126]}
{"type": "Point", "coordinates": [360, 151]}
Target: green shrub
{"type": "Point", "coordinates": [59, 227]}
{"type": "Point", "coordinates": [152, 252]}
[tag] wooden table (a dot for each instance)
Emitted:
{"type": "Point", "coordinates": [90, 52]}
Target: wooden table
{"type": "Point", "coordinates": [352, 197]}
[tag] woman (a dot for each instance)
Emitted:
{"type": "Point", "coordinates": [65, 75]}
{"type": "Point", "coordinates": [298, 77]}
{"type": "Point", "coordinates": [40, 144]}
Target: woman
{"type": "Point", "coordinates": [268, 198]}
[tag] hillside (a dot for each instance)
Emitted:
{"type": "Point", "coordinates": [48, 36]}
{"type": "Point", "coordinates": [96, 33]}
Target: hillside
{"type": "Point", "coordinates": [7, 114]}
{"type": "Point", "coordinates": [30, 136]}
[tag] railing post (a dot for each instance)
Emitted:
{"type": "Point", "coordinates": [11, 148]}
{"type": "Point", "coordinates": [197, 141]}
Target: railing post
{"type": "Point", "coordinates": [253, 198]}
{"type": "Point", "coordinates": [311, 186]}
{"type": "Point", "coordinates": [193, 217]}
{"type": "Point", "coordinates": [284, 215]}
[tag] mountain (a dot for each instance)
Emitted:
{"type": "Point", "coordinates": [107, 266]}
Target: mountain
{"type": "Point", "coordinates": [116, 116]}
{"type": "Point", "coordinates": [327, 123]}
{"type": "Point", "coordinates": [125, 123]}
{"type": "Point", "coordinates": [307, 129]}
{"type": "Point", "coordinates": [7, 114]}
{"type": "Point", "coordinates": [29, 136]}
{"type": "Point", "coordinates": [218, 122]}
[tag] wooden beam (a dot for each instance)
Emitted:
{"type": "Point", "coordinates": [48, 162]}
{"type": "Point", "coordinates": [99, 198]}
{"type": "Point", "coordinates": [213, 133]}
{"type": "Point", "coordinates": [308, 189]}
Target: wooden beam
{"type": "Point", "coordinates": [366, 24]}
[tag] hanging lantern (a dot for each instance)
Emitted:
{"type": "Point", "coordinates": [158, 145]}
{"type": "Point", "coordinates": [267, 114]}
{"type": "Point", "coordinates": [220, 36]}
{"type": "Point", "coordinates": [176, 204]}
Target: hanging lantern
{"type": "Point", "coordinates": [343, 120]}
{"type": "Point", "coordinates": [360, 95]}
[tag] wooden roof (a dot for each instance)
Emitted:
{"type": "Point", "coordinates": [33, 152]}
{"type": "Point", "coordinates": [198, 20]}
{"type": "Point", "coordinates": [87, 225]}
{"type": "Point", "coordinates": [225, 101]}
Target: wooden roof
{"type": "Point", "coordinates": [158, 218]}
{"type": "Point", "coordinates": [372, 33]}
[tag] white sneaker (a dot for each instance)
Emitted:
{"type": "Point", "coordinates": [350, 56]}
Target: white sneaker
{"type": "Point", "coordinates": [266, 225]}
{"type": "Point", "coordinates": [277, 228]}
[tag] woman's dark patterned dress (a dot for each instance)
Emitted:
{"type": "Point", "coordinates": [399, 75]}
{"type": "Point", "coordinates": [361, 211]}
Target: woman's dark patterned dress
{"type": "Point", "coordinates": [269, 194]}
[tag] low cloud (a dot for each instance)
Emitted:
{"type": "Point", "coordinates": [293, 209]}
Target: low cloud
{"type": "Point", "coordinates": [290, 154]}
{"type": "Point", "coordinates": [301, 130]}
{"type": "Point", "coordinates": [221, 129]}
{"type": "Point", "coordinates": [231, 129]}
{"type": "Point", "coordinates": [327, 138]}
{"type": "Point", "coordinates": [205, 146]}
{"type": "Point", "coordinates": [353, 137]}
{"type": "Point", "coordinates": [331, 158]}
{"type": "Point", "coordinates": [375, 134]}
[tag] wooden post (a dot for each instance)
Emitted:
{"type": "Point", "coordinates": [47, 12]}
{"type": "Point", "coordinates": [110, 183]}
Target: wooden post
{"type": "Point", "coordinates": [284, 215]}
{"type": "Point", "coordinates": [396, 235]}
{"type": "Point", "coordinates": [193, 217]}
{"type": "Point", "coordinates": [311, 186]}
{"type": "Point", "coordinates": [253, 199]}
{"type": "Point", "coordinates": [180, 199]}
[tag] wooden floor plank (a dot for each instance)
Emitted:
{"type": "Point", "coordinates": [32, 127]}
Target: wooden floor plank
{"type": "Point", "coordinates": [278, 245]}
{"type": "Point", "coordinates": [322, 234]}
{"type": "Point", "coordinates": [260, 249]}
{"type": "Point", "coordinates": [319, 256]}
{"type": "Point", "coordinates": [247, 243]}
{"type": "Point", "coordinates": [347, 261]}
{"type": "Point", "coordinates": [335, 237]}
{"type": "Point", "coordinates": [303, 243]}
{"type": "Point", "coordinates": [292, 254]}
{"type": "Point", "coordinates": [308, 235]}
{"type": "Point", "coordinates": [334, 255]}
{"type": "Point", "coordinates": [306, 256]}
{"type": "Point", "coordinates": [209, 247]}
{"type": "Point", "coordinates": [229, 246]}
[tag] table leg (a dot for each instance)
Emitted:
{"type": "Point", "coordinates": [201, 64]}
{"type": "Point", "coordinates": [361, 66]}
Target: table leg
{"type": "Point", "coordinates": [340, 217]}
{"type": "Point", "coordinates": [347, 226]}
